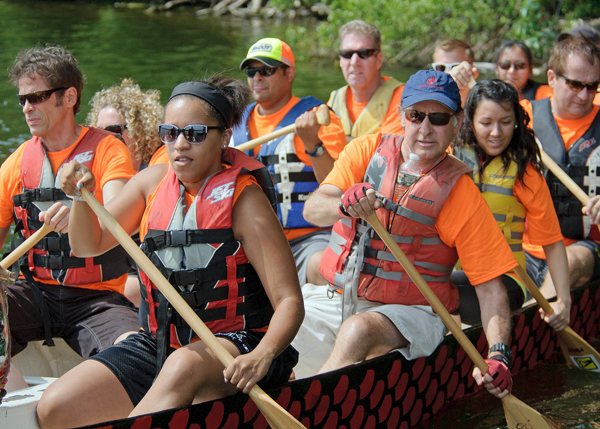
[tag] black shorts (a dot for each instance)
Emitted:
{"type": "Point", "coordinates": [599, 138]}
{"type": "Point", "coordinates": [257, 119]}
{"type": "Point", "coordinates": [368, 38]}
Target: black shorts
{"type": "Point", "coordinates": [133, 361]}
{"type": "Point", "coordinates": [538, 268]}
{"type": "Point", "coordinates": [89, 320]}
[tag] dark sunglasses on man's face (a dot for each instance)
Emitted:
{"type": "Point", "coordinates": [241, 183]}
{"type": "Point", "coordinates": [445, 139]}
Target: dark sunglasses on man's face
{"type": "Point", "coordinates": [117, 129]}
{"type": "Point", "coordinates": [37, 97]}
{"type": "Point", "coordinates": [264, 71]}
{"type": "Point", "coordinates": [505, 65]}
{"type": "Point", "coordinates": [193, 134]}
{"type": "Point", "coordinates": [578, 86]}
{"type": "Point", "coordinates": [363, 54]}
{"type": "Point", "coordinates": [417, 117]}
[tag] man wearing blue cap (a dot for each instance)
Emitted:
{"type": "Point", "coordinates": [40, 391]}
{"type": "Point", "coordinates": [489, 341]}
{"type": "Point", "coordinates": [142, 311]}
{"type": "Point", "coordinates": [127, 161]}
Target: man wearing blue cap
{"type": "Point", "coordinates": [435, 219]}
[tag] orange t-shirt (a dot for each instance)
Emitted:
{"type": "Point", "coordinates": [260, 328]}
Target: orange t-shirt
{"type": "Point", "coordinates": [392, 123]}
{"type": "Point", "coordinates": [112, 161]}
{"type": "Point", "coordinates": [332, 136]}
{"type": "Point", "coordinates": [159, 157]}
{"type": "Point", "coordinates": [543, 91]}
{"type": "Point", "coordinates": [570, 130]}
{"type": "Point", "coordinates": [465, 221]}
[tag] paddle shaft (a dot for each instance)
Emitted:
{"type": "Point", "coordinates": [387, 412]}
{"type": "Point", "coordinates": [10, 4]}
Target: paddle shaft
{"type": "Point", "coordinates": [518, 414]}
{"type": "Point", "coordinates": [323, 118]}
{"type": "Point", "coordinates": [14, 256]}
{"type": "Point", "coordinates": [533, 290]}
{"type": "Point", "coordinates": [433, 300]}
{"type": "Point", "coordinates": [565, 179]}
{"type": "Point", "coordinates": [272, 411]}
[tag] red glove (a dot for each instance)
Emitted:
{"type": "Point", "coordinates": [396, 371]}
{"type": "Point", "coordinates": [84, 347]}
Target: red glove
{"type": "Point", "coordinates": [352, 195]}
{"type": "Point", "coordinates": [500, 372]}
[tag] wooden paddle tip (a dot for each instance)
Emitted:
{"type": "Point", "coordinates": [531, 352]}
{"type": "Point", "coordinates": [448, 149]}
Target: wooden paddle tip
{"type": "Point", "coordinates": [323, 116]}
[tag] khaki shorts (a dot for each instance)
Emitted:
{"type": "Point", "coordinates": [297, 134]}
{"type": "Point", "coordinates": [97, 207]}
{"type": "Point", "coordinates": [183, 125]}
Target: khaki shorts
{"type": "Point", "coordinates": [418, 324]}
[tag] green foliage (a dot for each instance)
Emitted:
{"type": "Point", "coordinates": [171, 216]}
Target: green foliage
{"type": "Point", "coordinates": [410, 29]}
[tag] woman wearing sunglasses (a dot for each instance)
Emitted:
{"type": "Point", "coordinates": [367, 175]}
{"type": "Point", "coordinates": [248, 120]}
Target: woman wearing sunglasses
{"type": "Point", "coordinates": [514, 65]}
{"type": "Point", "coordinates": [497, 143]}
{"type": "Point", "coordinates": [227, 255]}
{"type": "Point", "coordinates": [134, 115]}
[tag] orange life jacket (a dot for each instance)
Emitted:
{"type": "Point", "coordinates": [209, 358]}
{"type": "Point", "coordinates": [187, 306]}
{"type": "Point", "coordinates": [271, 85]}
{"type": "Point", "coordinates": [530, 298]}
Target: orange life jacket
{"type": "Point", "coordinates": [358, 262]}
{"type": "Point", "coordinates": [51, 257]}
{"type": "Point", "coordinates": [198, 254]}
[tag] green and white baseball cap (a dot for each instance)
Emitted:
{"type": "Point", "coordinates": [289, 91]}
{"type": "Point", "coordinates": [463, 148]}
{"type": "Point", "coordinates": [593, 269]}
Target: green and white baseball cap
{"type": "Point", "coordinates": [271, 52]}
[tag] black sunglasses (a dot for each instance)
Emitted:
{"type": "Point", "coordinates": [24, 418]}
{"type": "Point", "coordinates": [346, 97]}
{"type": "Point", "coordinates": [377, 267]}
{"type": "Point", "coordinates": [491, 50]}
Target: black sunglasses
{"type": "Point", "coordinates": [38, 96]}
{"type": "Point", "coordinates": [435, 118]}
{"type": "Point", "coordinates": [117, 129]}
{"type": "Point", "coordinates": [505, 65]}
{"type": "Point", "coordinates": [363, 54]}
{"type": "Point", "coordinates": [263, 71]}
{"type": "Point", "coordinates": [193, 134]}
{"type": "Point", "coordinates": [578, 86]}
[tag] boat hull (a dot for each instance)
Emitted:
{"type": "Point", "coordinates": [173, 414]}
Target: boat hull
{"type": "Point", "coordinates": [388, 391]}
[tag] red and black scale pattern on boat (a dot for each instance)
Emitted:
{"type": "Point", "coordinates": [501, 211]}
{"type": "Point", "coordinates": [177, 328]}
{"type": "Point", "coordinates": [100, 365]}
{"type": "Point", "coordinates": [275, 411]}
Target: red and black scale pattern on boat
{"type": "Point", "coordinates": [387, 392]}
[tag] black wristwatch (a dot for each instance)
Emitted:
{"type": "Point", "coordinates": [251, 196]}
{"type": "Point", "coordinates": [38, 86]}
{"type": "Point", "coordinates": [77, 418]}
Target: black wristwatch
{"type": "Point", "coordinates": [319, 150]}
{"type": "Point", "coordinates": [502, 348]}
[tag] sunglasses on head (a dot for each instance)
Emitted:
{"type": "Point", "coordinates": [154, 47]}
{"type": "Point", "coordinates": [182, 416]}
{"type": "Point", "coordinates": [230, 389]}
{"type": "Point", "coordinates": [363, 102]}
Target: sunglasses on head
{"type": "Point", "coordinates": [117, 129]}
{"type": "Point", "coordinates": [263, 71]}
{"type": "Point", "coordinates": [578, 86]}
{"type": "Point", "coordinates": [444, 67]}
{"type": "Point", "coordinates": [505, 65]}
{"type": "Point", "coordinates": [193, 134]}
{"type": "Point", "coordinates": [37, 97]}
{"type": "Point", "coordinates": [363, 54]}
{"type": "Point", "coordinates": [417, 117]}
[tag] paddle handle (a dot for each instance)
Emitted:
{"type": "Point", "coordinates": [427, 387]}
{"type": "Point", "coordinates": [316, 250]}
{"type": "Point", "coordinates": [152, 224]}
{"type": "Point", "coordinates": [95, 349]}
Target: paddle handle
{"type": "Point", "coordinates": [564, 178]}
{"type": "Point", "coordinates": [433, 300]}
{"type": "Point", "coordinates": [276, 416]}
{"type": "Point", "coordinates": [323, 118]}
{"type": "Point", "coordinates": [533, 290]}
{"type": "Point", "coordinates": [24, 247]}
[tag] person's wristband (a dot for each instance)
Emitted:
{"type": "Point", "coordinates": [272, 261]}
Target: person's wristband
{"type": "Point", "coordinates": [342, 210]}
{"type": "Point", "coordinates": [501, 358]}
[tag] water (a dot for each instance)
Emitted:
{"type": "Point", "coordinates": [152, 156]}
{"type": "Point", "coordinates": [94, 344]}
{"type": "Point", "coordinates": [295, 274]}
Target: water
{"type": "Point", "coordinates": [159, 51]}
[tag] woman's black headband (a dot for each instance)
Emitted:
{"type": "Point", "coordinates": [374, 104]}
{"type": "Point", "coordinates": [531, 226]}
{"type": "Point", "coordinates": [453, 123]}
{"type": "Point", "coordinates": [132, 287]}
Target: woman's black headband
{"type": "Point", "coordinates": [209, 94]}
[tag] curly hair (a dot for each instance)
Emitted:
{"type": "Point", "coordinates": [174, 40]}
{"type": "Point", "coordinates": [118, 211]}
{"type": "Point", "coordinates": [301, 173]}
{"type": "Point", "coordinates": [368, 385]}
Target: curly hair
{"type": "Point", "coordinates": [54, 64]}
{"type": "Point", "coordinates": [141, 111]}
{"type": "Point", "coordinates": [522, 149]}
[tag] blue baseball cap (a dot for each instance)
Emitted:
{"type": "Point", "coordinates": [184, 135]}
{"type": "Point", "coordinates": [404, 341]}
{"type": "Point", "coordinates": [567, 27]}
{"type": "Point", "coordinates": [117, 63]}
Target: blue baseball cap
{"type": "Point", "coordinates": [432, 85]}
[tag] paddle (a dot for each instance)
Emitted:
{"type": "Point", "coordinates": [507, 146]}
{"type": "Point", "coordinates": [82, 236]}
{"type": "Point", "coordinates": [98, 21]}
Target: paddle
{"type": "Point", "coordinates": [517, 413]}
{"type": "Point", "coordinates": [13, 256]}
{"type": "Point", "coordinates": [576, 350]}
{"type": "Point", "coordinates": [564, 178]}
{"type": "Point", "coordinates": [276, 416]}
{"type": "Point", "coordinates": [323, 118]}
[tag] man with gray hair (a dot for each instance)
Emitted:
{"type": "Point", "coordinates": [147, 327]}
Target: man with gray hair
{"type": "Point", "coordinates": [369, 103]}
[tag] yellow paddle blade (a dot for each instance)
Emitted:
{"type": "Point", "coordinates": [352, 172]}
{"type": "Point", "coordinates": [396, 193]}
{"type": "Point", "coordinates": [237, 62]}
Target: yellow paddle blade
{"type": "Point", "coordinates": [520, 415]}
{"type": "Point", "coordinates": [578, 352]}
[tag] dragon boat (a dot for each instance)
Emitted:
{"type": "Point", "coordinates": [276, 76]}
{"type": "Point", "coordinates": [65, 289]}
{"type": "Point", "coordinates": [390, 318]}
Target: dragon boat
{"type": "Point", "coordinates": [389, 391]}
{"type": "Point", "coordinates": [385, 392]}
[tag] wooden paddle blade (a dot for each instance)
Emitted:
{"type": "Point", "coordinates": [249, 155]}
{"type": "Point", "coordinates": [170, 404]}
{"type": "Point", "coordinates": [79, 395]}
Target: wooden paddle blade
{"type": "Point", "coordinates": [520, 415]}
{"type": "Point", "coordinates": [276, 415]}
{"type": "Point", "coordinates": [578, 352]}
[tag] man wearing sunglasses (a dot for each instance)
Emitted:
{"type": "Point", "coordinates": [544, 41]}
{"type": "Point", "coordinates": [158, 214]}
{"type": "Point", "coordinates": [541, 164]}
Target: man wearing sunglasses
{"type": "Point", "coordinates": [78, 299]}
{"type": "Point", "coordinates": [299, 161]}
{"type": "Point", "coordinates": [456, 57]}
{"type": "Point", "coordinates": [568, 127]}
{"type": "Point", "coordinates": [368, 104]}
{"type": "Point", "coordinates": [440, 214]}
